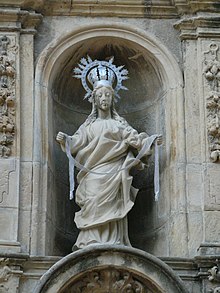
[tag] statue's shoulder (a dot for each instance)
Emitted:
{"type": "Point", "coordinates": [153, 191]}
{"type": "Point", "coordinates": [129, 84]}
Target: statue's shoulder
{"type": "Point", "coordinates": [122, 122]}
{"type": "Point", "coordinates": [81, 130]}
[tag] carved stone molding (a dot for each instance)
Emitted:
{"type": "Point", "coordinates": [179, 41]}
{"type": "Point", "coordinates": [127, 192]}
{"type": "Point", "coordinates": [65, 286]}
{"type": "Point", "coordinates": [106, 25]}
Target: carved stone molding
{"type": "Point", "coordinates": [14, 19]}
{"type": "Point", "coordinates": [212, 76]}
{"type": "Point", "coordinates": [119, 8]}
{"type": "Point", "coordinates": [200, 25]}
{"type": "Point", "coordinates": [10, 273]}
{"type": "Point", "coordinates": [214, 290]}
{"type": "Point", "coordinates": [212, 68]}
{"type": "Point", "coordinates": [123, 8]}
{"type": "Point", "coordinates": [8, 50]}
{"type": "Point", "coordinates": [5, 273]}
{"type": "Point", "coordinates": [108, 268]}
{"type": "Point", "coordinates": [108, 280]}
{"type": "Point", "coordinates": [214, 273]}
{"type": "Point", "coordinates": [214, 276]}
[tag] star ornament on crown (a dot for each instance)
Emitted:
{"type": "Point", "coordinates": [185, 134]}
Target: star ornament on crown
{"type": "Point", "coordinates": [103, 73]}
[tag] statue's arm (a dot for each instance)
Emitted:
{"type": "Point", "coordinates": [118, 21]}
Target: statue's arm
{"type": "Point", "coordinates": [136, 140]}
{"type": "Point", "coordinates": [141, 141]}
{"type": "Point", "coordinates": [76, 141]}
{"type": "Point", "coordinates": [61, 139]}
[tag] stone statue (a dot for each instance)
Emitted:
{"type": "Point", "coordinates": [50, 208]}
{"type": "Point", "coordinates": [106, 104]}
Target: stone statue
{"type": "Point", "coordinates": [105, 147]}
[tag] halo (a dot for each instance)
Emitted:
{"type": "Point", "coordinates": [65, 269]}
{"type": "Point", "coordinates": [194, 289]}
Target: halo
{"type": "Point", "coordinates": [85, 65]}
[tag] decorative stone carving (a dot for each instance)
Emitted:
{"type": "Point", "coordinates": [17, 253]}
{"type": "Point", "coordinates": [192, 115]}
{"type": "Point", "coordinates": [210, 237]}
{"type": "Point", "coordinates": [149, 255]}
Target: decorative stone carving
{"type": "Point", "coordinates": [110, 268]}
{"type": "Point", "coordinates": [214, 273]}
{"type": "Point", "coordinates": [212, 68]}
{"type": "Point", "coordinates": [110, 280]}
{"type": "Point", "coordinates": [214, 276]}
{"type": "Point", "coordinates": [214, 290]}
{"type": "Point", "coordinates": [4, 41]}
{"type": "Point", "coordinates": [3, 289]}
{"type": "Point", "coordinates": [5, 273]}
{"type": "Point", "coordinates": [7, 94]}
{"type": "Point", "coordinates": [212, 75]}
{"type": "Point", "coordinates": [7, 167]}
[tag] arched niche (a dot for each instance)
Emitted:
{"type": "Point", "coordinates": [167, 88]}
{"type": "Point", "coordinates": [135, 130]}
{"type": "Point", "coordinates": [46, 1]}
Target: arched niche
{"type": "Point", "coordinates": [154, 77]}
{"type": "Point", "coordinates": [110, 269]}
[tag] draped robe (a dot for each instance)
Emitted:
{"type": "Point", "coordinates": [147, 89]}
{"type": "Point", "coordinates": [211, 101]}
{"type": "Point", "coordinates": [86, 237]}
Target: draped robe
{"type": "Point", "coordinates": [105, 194]}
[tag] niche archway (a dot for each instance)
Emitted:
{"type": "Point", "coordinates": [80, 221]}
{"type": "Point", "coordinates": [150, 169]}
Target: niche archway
{"type": "Point", "coordinates": [112, 269]}
{"type": "Point", "coordinates": [155, 78]}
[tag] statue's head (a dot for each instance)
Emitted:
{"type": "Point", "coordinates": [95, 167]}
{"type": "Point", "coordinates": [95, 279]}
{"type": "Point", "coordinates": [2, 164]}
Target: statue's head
{"type": "Point", "coordinates": [102, 80]}
{"type": "Point", "coordinates": [103, 97]}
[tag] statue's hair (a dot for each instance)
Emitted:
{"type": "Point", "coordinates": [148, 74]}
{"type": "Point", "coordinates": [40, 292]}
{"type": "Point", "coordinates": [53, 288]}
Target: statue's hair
{"type": "Point", "coordinates": [94, 113]}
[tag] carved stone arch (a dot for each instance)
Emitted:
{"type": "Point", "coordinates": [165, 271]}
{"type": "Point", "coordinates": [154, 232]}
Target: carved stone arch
{"type": "Point", "coordinates": [110, 269]}
{"type": "Point", "coordinates": [52, 68]}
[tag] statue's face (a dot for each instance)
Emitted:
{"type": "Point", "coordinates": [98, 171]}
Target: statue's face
{"type": "Point", "coordinates": [103, 98]}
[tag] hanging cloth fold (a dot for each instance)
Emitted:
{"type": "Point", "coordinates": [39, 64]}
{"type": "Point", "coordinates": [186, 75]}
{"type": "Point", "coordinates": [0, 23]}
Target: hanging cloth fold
{"type": "Point", "coordinates": [156, 174]}
{"type": "Point", "coordinates": [73, 163]}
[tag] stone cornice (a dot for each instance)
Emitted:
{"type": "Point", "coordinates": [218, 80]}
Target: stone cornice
{"type": "Point", "coordinates": [129, 8]}
{"type": "Point", "coordinates": [193, 6]}
{"type": "Point", "coordinates": [24, 4]}
{"type": "Point", "coordinates": [15, 19]}
{"type": "Point", "coordinates": [33, 267]}
{"type": "Point", "coordinates": [201, 25]}
{"type": "Point", "coordinates": [121, 8]}
{"type": "Point", "coordinates": [118, 8]}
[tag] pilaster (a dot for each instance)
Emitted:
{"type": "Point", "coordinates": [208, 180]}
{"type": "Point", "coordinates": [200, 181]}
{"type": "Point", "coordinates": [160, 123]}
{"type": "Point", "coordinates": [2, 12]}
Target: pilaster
{"type": "Point", "coordinates": [17, 29]}
{"type": "Point", "coordinates": [200, 45]}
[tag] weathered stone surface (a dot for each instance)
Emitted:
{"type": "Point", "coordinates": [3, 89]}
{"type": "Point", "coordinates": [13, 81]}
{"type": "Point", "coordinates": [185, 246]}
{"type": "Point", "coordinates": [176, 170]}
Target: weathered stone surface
{"type": "Point", "coordinates": [8, 223]}
{"type": "Point", "coordinates": [35, 214]}
{"type": "Point", "coordinates": [7, 188]}
{"type": "Point", "coordinates": [195, 189]}
{"type": "Point", "coordinates": [212, 188]}
{"type": "Point", "coordinates": [195, 231]}
{"type": "Point", "coordinates": [103, 262]}
{"type": "Point", "coordinates": [212, 225]}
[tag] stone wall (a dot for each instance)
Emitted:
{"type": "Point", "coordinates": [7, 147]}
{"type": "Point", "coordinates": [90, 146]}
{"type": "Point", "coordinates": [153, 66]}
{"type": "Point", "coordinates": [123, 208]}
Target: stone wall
{"type": "Point", "coordinates": [171, 49]}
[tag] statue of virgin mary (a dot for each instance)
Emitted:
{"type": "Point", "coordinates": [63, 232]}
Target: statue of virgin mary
{"type": "Point", "coordinates": [104, 148]}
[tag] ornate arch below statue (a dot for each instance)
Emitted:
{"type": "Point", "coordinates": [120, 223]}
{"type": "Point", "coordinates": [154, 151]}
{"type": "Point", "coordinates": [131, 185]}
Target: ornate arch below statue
{"type": "Point", "coordinates": [111, 269]}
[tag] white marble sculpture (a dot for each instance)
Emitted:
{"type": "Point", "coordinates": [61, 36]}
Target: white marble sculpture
{"type": "Point", "coordinates": [105, 147]}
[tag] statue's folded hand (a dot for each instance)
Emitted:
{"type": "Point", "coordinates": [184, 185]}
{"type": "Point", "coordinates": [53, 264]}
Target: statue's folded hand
{"type": "Point", "coordinates": [160, 140]}
{"type": "Point", "coordinates": [61, 137]}
{"type": "Point", "coordinates": [134, 142]}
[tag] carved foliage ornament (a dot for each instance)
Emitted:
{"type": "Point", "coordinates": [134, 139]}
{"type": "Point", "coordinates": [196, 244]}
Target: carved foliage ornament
{"type": "Point", "coordinates": [216, 290]}
{"type": "Point", "coordinates": [212, 75]}
{"type": "Point", "coordinates": [214, 276]}
{"type": "Point", "coordinates": [108, 281]}
{"type": "Point", "coordinates": [5, 274]}
{"type": "Point", "coordinates": [7, 94]}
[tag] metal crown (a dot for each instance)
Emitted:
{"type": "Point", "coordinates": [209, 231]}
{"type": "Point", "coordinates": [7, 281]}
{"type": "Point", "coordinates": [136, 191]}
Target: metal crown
{"type": "Point", "coordinates": [100, 73]}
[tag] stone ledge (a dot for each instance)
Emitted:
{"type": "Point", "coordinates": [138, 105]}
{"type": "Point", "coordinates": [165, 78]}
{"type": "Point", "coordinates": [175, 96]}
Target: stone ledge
{"type": "Point", "coordinates": [135, 9]}
{"type": "Point", "coordinates": [201, 25]}
{"type": "Point", "coordinates": [120, 8]}
{"type": "Point", "coordinates": [146, 268]}
{"type": "Point", "coordinates": [193, 271]}
{"type": "Point", "coordinates": [9, 247]}
{"type": "Point", "coordinates": [209, 249]}
{"type": "Point", "coordinates": [14, 19]}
